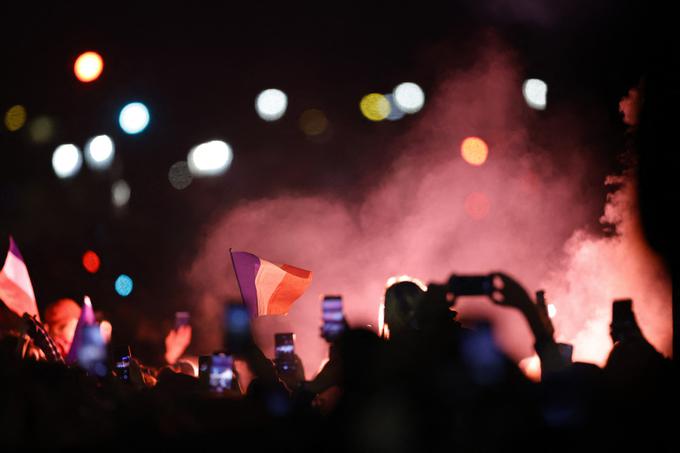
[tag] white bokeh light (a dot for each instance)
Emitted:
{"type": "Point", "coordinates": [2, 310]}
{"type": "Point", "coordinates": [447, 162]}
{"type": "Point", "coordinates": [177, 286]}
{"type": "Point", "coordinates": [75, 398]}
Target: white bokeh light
{"type": "Point", "coordinates": [134, 118]}
{"type": "Point", "coordinates": [210, 158]}
{"type": "Point", "coordinates": [271, 104]}
{"type": "Point", "coordinates": [409, 97]}
{"type": "Point", "coordinates": [535, 93]}
{"type": "Point", "coordinates": [120, 193]}
{"type": "Point", "coordinates": [66, 161]}
{"type": "Point", "coordinates": [99, 152]}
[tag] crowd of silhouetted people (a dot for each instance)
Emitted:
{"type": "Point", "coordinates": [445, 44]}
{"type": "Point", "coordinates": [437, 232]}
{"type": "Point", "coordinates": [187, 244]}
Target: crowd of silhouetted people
{"type": "Point", "coordinates": [431, 384]}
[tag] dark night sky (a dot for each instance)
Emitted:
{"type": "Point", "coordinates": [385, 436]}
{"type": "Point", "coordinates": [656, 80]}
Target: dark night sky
{"type": "Point", "coordinates": [199, 70]}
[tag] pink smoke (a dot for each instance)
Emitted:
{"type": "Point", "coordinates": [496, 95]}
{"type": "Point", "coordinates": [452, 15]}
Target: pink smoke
{"type": "Point", "coordinates": [414, 221]}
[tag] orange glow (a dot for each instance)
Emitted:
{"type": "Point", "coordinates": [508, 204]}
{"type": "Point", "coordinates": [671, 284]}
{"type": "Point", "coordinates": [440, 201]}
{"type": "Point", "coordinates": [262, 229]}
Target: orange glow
{"type": "Point", "coordinates": [531, 367]}
{"type": "Point", "coordinates": [477, 205]}
{"type": "Point", "coordinates": [474, 150]}
{"type": "Point", "coordinates": [91, 262]}
{"type": "Point", "coordinates": [88, 66]}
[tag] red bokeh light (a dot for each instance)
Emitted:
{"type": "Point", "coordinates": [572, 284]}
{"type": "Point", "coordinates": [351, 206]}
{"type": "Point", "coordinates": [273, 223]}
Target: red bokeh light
{"type": "Point", "coordinates": [91, 262]}
{"type": "Point", "coordinates": [477, 205]}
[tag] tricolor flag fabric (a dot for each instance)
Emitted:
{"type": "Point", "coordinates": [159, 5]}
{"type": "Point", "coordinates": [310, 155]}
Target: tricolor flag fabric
{"type": "Point", "coordinates": [16, 290]}
{"type": "Point", "coordinates": [86, 319]}
{"type": "Point", "coordinates": [268, 288]}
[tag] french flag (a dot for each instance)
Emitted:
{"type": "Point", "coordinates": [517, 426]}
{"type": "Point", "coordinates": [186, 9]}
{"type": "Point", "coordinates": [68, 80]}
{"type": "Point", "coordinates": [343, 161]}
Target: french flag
{"type": "Point", "coordinates": [268, 288]}
{"type": "Point", "coordinates": [16, 290]}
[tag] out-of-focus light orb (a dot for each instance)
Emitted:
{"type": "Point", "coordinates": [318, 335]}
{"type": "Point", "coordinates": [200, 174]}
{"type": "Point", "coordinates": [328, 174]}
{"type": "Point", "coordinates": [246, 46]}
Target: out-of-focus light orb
{"type": "Point", "coordinates": [123, 285]}
{"type": "Point", "coordinates": [271, 104]}
{"type": "Point", "coordinates": [313, 122]}
{"type": "Point", "coordinates": [395, 111]}
{"type": "Point", "coordinates": [66, 160]}
{"type": "Point", "coordinates": [210, 158]}
{"type": "Point", "coordinates": [15, 118]}
{"type": "Point", "coordinates": [409, 97]}
{"type": "Point", "coordinates": [134, 118]}
{"type": "Point", "coordinates": [88, 66]}
{"type": "Point", "coordinates": [531, 367]}
{"type": "Point", "coordinates": [41, 130]}
{"type": "Point", "coordinates": [375, 106]}
{"type": "Point", "coordinates": [91, 262]}
{"type": "Point", "coordinates": [120, 193]}
{"type": "Point", "coordinates": [180, 175]}
{"type": "Point", "coordinates": [474, 150]}
{"type": "Point", "coordinates": [477, 205]}
{"type": "Point", "coordinates": [552, 311]}
{"type": "Point", "coordinates": [99, 152]}
{"type": "Point", "coordinates": [535, 93]}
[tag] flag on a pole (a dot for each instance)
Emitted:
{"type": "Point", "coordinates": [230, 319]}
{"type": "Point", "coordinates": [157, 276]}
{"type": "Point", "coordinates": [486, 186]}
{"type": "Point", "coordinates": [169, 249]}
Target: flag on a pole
{"type": "Point", "coordinates": [16, 290]}
{"type": "Point", "coordinates": [86, 319]}
{"type": "Point", "coordinates": [268, 288]}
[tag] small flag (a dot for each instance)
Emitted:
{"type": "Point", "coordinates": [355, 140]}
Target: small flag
{"type": "Point", "coordinates": [16, 290]}
{"type": "Point", "coordinates": [268, 288]}
{"type": "Point", "coordinates": [86, 319]}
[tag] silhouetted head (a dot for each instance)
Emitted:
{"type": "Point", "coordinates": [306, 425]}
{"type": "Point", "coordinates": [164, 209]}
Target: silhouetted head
{"type": "Point", "coordinates": [401, 303]}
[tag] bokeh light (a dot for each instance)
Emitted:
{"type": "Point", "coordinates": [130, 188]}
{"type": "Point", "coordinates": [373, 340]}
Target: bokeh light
{"type": "Point", "coordinates": [15, 118]}
{"type": "Point", "coordinates": [271, 104]}
{"type": "Point", "coordinates": [120, 193]}
{"type": "Point", "coordinates": [123, 285]}
{"type": "Point", "coordinates": [535, 93]}
{"type": "Point", "coordinates": [409, 97]}
{"type": "Point", "coordinates": [180, 175]}
{"type": "Point", "coordinates": [134, 118]}
{"type": "Point", "coordinates": [66, 160]}
{"type": "Point", "coordinates": [99, 152]}
{"type": "Point", "coordinates": [41, 130]}
{"type": "Point", "coordinates": [375, 106]}
{"type": "Point", "coordinates": [313, 122]}
{"type": "Point", "coordinates": [88, 66]}
{"type": "Point", "coordinates": [91, 262]}
{"type": "Point", "coordinates": [531, 367]}
{"type": "Point", "coordinates": [395, 111]}
{"type": "Point", "coordinates": [474, 150]}
{"type": "Point", "coordinates": [477, 205]}
{"type": "Point", "coordinates": [210, 158]}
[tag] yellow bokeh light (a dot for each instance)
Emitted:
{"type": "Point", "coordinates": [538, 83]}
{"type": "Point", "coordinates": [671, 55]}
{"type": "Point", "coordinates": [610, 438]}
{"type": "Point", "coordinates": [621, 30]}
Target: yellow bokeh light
{"type": "Point", "coordinates": [375, 106]}
{"type": "Point", "coordinates": [15, 118]}
{"type": "Point", "coordinates": [88, 66]}
{"type": "Point", "coordinates": [474, 150]}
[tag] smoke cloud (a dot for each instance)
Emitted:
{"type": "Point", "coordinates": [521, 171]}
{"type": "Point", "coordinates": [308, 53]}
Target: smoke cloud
{"type": "Point", "coordinates": [431, 214]}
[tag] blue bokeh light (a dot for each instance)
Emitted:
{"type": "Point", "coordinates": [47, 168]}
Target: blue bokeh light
{"type": "Point", "coordinates": [123, 285]}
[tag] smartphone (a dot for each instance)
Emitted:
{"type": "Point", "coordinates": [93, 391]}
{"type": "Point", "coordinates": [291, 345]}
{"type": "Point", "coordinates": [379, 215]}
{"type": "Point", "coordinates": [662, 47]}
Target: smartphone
{"type": "Point", "coordinates": [333, 319]}
{"type": "Point", "coordinates": [284, 352]}
{"type": "Point", "coordinates": [623, 320]}
{"type": "Point", "coordinates": [471, 285]}
{"type": "Point", "coordinates": [221, 372]}
{"type": "Point", "coordinates": [237, 327]}
{"type": "Point", "coordinates": [182, 319]}
{"type": "Point", "coordinates": [123, 364]}
{"type": "Point", "coordinates": [622, 311]}
{"type": "Point", "coordinates": [204, 370]}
